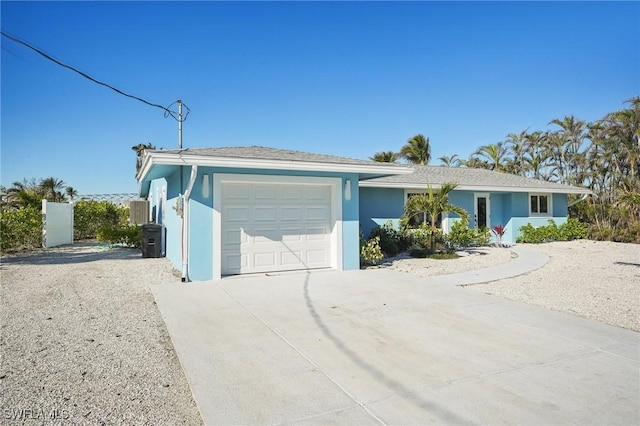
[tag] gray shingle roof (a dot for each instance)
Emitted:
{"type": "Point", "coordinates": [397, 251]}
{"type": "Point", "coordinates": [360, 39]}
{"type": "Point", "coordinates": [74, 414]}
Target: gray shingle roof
{"type": "Point", "coordinates": [265, 153]}
{"type": "Point", "coordinates": [468, 178]}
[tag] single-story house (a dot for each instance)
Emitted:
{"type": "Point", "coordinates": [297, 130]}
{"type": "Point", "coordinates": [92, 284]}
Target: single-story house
{"type": "Point", "coordinates": [236, 210]}
{"type": "Point", "coordinates": [254, 209]}
{"type": "Point", "coordinates": [491, 198]}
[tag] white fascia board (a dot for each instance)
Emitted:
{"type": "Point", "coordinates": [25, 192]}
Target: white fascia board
{"type": "Point", "coordinates": [478, 188]}
{"type": "Point", "coordinates": [252, 163]}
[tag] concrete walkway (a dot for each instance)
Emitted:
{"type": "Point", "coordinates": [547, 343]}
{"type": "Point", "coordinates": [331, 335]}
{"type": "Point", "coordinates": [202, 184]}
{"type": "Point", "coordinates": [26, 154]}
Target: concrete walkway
{"type": "Point", "coordinates": [385, 347]}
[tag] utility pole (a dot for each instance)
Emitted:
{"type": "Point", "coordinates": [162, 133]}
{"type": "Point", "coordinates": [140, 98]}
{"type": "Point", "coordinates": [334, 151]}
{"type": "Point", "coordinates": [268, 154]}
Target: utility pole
{"type": "Point", "coordinates": [179, 124]}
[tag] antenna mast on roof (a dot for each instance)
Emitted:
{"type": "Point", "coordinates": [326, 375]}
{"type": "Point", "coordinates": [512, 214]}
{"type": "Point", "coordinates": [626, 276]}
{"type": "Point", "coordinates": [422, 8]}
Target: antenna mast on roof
{"type": "Point", "coordinates": [180, 124]}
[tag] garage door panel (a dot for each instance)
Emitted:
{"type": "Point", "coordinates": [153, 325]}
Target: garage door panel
{"type": "Point", "coordinates": [262, 213]}
{"type": "Point", "coordinates": [318, 193]}
{"type": "Point", "coordinates": [319, 213]}
{"type": "Point", "coordinates": [262, 260]}
{"type": "Point", "coordinates": [291, 213]}
{"type": "Point", "coordinates": [236, 214]}
{"type": "Point", "coordinates": [291, 258]}
{"type": "Point", "coordinates": [264, 193]}
{"type": "Point", "coordinates": [266, 235]}
{"type": "Point", "coordinates": [233, 237]}
{"type": "Point", "coordinates": [236, 192]}
{"type": "Point", "coordinates": [277, 227]}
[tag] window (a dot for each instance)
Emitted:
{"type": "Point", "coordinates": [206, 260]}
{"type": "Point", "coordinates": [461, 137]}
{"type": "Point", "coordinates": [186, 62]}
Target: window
{"type": "Point", "coordinates": [540, 204]}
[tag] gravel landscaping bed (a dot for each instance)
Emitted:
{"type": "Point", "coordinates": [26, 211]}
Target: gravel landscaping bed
{"type": "Point", "coordinates": [82, 341]}
{"type": "Point", "coordinates": [470, 259]}
{"type": "Point", "coordinates": [593, 279]}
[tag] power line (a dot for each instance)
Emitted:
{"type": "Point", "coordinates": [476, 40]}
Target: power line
{"type": "Point", "coordinates": [167, 112]}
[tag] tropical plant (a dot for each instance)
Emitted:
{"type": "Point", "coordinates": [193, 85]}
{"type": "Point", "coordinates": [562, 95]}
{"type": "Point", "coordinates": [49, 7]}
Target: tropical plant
{"type": "Point", "coordinates": [370, 251]}
{"type": "Point", "coordinates": [21, 228]}
{"type": "Point", "coordinates": [430, 205]}
{"type": "Point", "coordinates": [385, 157]}
{"type": "Point", "coordinates": [493, 155]}
{"type": "Point", "coordinates": [52, 188]}
{"type": "Point", "coordinates": [450, 160]}
{"type": "Point", "coordinates": [139, 149]}
{"type": "Point", "coordinates": [417, 150]}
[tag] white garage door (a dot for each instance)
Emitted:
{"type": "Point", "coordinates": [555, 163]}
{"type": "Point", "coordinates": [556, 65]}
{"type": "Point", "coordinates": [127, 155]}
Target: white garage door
{"type": "Point", "coordinates": [270, 227]}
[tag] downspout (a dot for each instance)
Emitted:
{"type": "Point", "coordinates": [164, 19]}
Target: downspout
{"type": "Point", "coordinates": [185, 223]}
{"type": "Point", "coordinates": [574, 202]}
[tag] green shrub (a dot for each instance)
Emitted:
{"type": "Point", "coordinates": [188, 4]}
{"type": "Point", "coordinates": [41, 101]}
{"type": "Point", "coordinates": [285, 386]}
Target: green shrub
{"type": "Point", "coordinates": [571, 230]}
{"type": "Point", "coordinates": [20, 229]}
{"type": "Point", "coordinates": [418, 251]}
{"type": "Point", "coordinates": [125, 234]}
{"type": "Point", "coordinates": [392, 241]}
{"type": "Point", "coordinates": [462, 236]}
{"type": "Point", "coordinates": [370, 251]}
{"type": "Point", "coordinates": [91, 215]}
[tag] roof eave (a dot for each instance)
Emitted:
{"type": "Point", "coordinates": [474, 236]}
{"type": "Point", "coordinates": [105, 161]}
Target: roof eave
{"type": "Point", "coordinates": [478, 188]}
{"type": "Point", "coordinates": [156, 158]}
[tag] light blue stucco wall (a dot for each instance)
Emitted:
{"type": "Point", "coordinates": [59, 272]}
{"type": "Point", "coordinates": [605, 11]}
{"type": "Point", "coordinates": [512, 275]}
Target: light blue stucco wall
{"type": "Point", "coordinates": [378, 206]}
{"type": "Point", "coordinates": [201, 217]}
{"type": "Point", "coordinates": [511, 210]}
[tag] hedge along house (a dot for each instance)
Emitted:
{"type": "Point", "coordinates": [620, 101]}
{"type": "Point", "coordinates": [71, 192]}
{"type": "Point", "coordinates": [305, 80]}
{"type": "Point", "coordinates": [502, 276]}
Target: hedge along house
{"type": "Point", "coordinates": [491, 198]}
{"type": "Point", "coordinates": [241, 210]}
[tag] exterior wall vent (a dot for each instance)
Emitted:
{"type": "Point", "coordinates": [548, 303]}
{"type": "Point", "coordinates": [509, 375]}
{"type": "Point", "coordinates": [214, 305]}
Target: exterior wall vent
{"type": "Point", "coordinates": [138, 212]}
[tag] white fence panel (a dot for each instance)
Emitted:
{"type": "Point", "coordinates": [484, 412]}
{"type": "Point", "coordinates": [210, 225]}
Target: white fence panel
{"type": "Point", "coordinates": [57, 224]}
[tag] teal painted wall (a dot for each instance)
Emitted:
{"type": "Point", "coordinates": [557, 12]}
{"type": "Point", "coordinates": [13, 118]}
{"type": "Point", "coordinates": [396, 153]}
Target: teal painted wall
{"type": "Point", "coordinates": [511, 210]}
{"type": "Point", "coordinates": [200, 211]}
{"type": "Point", "coordinates": [379, 205]}
{"type": "Point", "coordinates": [351, 225]}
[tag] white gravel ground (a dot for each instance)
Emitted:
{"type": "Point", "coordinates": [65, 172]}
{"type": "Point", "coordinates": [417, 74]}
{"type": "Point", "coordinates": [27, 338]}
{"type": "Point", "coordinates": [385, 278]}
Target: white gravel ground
{"type": "Point", "coordinates": [597, 280]}
{"type": "Point", "coordinates": [475, 258]}
{"type": "Point", "coordinates": [82, 341]}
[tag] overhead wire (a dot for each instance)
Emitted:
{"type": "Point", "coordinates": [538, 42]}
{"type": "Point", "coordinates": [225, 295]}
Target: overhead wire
{"type": "Point", "coordinates": [167, 111]}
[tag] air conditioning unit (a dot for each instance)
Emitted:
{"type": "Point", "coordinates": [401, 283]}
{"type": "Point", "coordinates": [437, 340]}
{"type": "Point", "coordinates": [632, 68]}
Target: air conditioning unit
{"type": "Point", "coordinates": [138, 212]}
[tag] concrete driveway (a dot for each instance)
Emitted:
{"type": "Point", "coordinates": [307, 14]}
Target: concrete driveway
{"type": "Point", "coordinates": [385, 347]}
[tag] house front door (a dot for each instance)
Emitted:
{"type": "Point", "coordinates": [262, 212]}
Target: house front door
{"type": "Point", "coordinates": [482, 210]}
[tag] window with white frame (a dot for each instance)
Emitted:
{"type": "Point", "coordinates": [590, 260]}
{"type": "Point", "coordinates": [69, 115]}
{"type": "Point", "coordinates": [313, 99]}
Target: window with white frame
{"type": "Point", "coordinates": [540, 204]}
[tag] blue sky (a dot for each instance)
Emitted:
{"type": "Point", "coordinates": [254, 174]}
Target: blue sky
{"type": "Point", "coordinates": [338, 78]}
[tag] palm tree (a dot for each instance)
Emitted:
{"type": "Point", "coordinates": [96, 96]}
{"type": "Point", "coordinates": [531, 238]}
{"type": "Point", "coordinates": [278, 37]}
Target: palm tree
{"type": "Point", "coordinates": [494, 155]}
{"type": "Point", "coordinates": [516, 144]}
{"type": "Point", "coordinates": [450, 161]}
{"type": "Point", "coordinates": [24, 194]}
{"type": "Point", "coordinates": [71, 192]}
{"type": "Point", "coordinates": [417, 150]}
{"type": "Point", "coordinates": [52, 188]}
{"type": "Point", "coordinates": [385, 157]}
{"type": "Point", "coordinates": [139, 149]}
{"type": "Point", "coordinates": [430, 205]}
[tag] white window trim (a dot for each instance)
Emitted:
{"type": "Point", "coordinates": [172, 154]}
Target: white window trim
{"type": "Point", "coordinates": [549, 196]}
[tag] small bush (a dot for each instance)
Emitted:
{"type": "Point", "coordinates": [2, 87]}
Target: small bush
{"type": "Point", "coordinates": [91, 215]}
{"type": "Point", "coordinates": [392, 241]}
{"type": "Point", "coordinates": [370, 251]}
{"type": "Point", "coordinates": [571, 230]}
{"type": "Point", "coordinates": [20, 229]}
{"type": "Point", "coordinates": [125, 234]}
{"type": "Point", "coordinates": [462, 236]}
{"type": "Point", "coordinates": [418, 251]}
